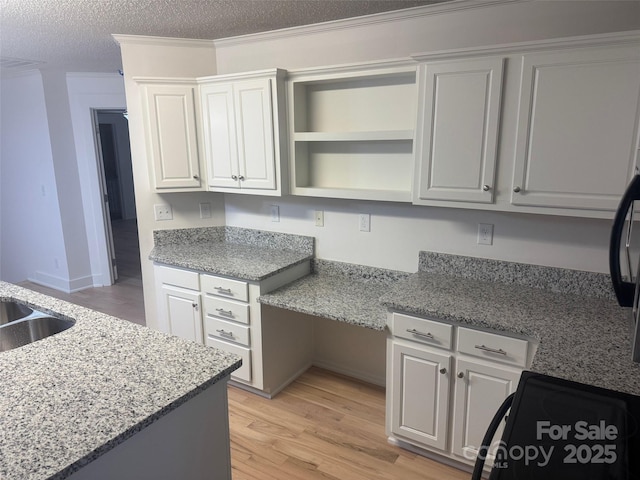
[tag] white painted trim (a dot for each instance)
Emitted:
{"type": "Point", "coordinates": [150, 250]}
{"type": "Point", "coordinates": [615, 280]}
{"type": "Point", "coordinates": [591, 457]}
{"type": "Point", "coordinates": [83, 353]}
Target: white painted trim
{"type": "Point", "coordinates": [81, 103]}
{"type": "Point", "coordinates": [375, 18]}
{"type": "Point", "coordinates": [601, 40]}
{"type": "Point", "coordinates": [338, 368]}
{"type": "Point", "coordinates": [124, 39]}
{"type": "Point", "coordinates": [62, 284]}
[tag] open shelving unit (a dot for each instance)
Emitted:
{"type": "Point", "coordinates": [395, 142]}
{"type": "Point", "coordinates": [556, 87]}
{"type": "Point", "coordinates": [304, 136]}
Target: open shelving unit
{"type": "Point", "coordinates": [352, 132]}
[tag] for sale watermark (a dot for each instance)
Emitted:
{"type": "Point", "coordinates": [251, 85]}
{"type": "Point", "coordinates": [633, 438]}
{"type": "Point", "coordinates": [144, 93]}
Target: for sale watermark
{"type": "Point", "coordinates": [578, 443]}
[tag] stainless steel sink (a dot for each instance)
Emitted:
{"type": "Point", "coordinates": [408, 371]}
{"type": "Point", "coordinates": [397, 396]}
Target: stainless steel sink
{"type": "Point", "coordinates": [11, 311]}
{"type": "Point", "coordinates": [28, 330]}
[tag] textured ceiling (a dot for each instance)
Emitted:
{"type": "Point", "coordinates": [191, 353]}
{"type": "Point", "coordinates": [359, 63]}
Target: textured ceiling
{"type": "Point", "coordinates": [75, 35]}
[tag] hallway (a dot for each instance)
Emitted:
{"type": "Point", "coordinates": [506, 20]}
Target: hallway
{"type": "Point", "coordinates": [123, 299]}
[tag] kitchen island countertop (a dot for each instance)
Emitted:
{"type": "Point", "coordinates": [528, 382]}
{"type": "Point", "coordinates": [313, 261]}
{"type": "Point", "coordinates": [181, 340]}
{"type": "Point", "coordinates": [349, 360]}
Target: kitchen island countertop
{"type": "Point", "coordinates": [71, 397]}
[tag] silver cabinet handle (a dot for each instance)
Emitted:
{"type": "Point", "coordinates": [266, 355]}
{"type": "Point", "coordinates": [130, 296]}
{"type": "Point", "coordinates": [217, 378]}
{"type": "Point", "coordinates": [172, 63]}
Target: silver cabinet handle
{"type": "Point", "coordinates": [490, 350]}
{"type": "Point", "coordinates": [516, 189]}
{"type": "Point", "coordinates": [234, 177]}
{"type": "Point", "coordinates": [413, 331]}
{"type": "Point", "coordinates": [195, 305]}
{"type": "Point", "coordinates": [241, 178]}
{"type": "Point", "coordinates": [486, 188]}
{"type": "Point", "coordinates": [226, 313]}
{"type": "Point", "coordinates": [223, 290]}
{"type": "Point", "coordinates": [443, 371]}
{"type": "Point", "coordinates": [224, 333]}
{"type": "Point", "coordinates": [195, 177]}
{"type": "Point", "coordinates": [460, 374]}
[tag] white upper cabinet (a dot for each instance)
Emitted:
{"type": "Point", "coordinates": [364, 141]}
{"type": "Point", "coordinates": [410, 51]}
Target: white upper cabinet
{"type": "Point", "coordinates": [171, 136]}
{"type": "Point", "coordinates": [241, 132]}
{"type": "Point", "coordinates": [457, 130]}
{"type": "Point", "coordinates": [577, 127]}
{"type": "Point", "coordinates": [351, 132]}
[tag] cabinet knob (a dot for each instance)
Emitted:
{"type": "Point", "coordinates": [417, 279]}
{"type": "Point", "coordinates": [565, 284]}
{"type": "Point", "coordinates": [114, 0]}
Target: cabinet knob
{"type": "Point", "coordinates": [486, 188]}
{"type": "Point", "coordinates": [234, 177]}
{"type": "Point", "coordinates": [516, 189]}
{"type": "Point", "coordinates": [443, 371]}
{"type": "Point", "coordinates": [460, 374]}
{"type": "Point", "coordinates": [195, 177]}
{"type": "Point", "coordinates": [241, 178]}
{"type": "Point", "coordinates": [195, 305]}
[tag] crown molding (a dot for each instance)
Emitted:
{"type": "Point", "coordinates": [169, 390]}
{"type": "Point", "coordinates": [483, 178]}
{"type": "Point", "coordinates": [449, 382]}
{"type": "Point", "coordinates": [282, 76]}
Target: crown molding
{"type": "Point", "coordinates": [630, 38]}
{"type": "Point", "coordinates": [124, 39]}
{"type": "Point", "coordinates": [376, 18]}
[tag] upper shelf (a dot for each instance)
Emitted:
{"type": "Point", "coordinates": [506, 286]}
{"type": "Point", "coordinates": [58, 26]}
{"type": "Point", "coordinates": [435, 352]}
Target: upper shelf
{"type": "Point", "coordinates": [353, 136]}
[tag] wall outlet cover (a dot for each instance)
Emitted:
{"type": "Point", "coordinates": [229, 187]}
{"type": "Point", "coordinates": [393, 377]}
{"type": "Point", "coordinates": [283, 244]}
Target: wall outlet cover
{"type": "Point", "coordinates": [275, 213]}
{"type": "Point", "coordinates": [364, 221]}
{"type": "Point", "coordinates": [162, 212]}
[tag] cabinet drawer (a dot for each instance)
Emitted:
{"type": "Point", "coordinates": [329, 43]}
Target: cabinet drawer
{"type": "Point", "coordinates": [226, 309]}
{"type": "Point", "coordinates": [230, 331]}
{"type": "Point", "coordinates": [225, 287]}
{"type": "Point", "coordinates": [179, 278]}
{"type": "Point", "coordinates": [491, 346]}
{"type": "Point", "coordinates": [244, 372]}
{"type": "Point", "coordinates": [422, 330]}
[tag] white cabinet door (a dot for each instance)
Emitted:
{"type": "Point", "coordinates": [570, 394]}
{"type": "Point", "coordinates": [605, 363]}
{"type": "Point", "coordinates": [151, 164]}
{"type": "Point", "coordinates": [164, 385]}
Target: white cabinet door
{"type": "Point", "coordinates": [420, 395]}
{"type": "Point", "coordinates": [577, 128]}
{"type": "Point", "coordinates": [238, 136]}
{"type": "Point", "coordinates": [457, 131]}
{"type": "Point", "coordinates": [182, 308]}
{"type": "Point", "coordinates": [254, 125]}
{"type": "Point", "coordinates": [172, 142]}
{"type": "Point", "coordinates": [479, 391]}
{"type": "Point", "coordinates": [219, 135]}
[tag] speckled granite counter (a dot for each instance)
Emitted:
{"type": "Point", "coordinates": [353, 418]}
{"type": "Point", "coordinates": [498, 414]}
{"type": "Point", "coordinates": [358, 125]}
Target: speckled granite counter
{"type": "Point", "coordinates": [338, 291]}
{"type": "Point", "coordinates": [581, 338]}
{"type": "Point", "coordinates": [231, 251]}
{"type": "Point", "coordinates": [71, 397]}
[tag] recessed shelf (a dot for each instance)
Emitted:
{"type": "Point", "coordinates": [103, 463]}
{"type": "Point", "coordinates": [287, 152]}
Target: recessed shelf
{"type": "Point", "coordinates": [352, 135]}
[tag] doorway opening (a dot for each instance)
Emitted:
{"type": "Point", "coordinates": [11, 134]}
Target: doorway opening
{"type": "Point", "coordinates": [119, 209]}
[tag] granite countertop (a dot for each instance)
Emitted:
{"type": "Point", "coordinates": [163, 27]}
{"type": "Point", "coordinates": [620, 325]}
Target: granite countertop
{"type": "Point", "coordinates": [234, 252]}
{"type": "Point", "coordinates": [584, 339]}
{"type": "Point", "coordinates": [339, 291]}
{"type": "Point", "coordinates": [71, 397]}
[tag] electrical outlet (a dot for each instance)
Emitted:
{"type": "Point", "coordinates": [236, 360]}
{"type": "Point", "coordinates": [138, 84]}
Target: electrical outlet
{"type": "Point", "coordinates": [205, 210]}
{"type": "Point", "coordinates": [485, 234]}
{"type": "Point", "coordinates": [319, 218]}
{"type": "Point", "coordinates": [365, 222]}
{"type": "Point", "coordinates": [163, 212]}
{"type": "Point", "coordinates": [275, 213]}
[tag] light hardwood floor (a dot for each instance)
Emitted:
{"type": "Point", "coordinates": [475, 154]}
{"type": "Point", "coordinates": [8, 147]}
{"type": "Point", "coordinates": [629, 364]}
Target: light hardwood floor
{"type": "Point", "coordinates": [321, 427]}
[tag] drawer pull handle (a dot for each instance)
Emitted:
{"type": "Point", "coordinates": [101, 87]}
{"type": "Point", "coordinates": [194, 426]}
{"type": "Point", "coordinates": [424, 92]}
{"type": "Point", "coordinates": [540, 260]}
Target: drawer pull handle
{"type": "Point", "coordinates": [443, 371]}
{"type": "Point", "coordinates": [413, 331]}
{"type": "Point", "coordinates": [224, 290]}
{"type": "Point", "coordinates": [491, 350]}
{"type": "Point", "coordinates": [226, 313]}
{"type": "Point", "coordinates": [195, 306]}
{"type": "Point", "coordinates": [224, 334]}
{"type": "Point", "coordinates": [460, 374]}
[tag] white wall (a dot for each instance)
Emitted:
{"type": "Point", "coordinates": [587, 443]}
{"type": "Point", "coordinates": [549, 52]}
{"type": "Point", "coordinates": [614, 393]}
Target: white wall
{"type": "Point", "coordinates": [31, 229]}
{"type": "Point", "coordinates": [433, 28]}
{"type": "Point", "coordinates": [144, 57]}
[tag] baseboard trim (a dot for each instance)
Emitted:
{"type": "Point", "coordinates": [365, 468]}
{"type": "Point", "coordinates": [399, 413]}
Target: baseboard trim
{"type": "Point", "coordinates": [62, 284]}
{"type": "Point", "coordinates": [348, 372]}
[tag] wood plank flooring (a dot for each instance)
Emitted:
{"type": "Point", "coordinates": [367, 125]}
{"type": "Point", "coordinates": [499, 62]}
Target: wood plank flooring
{"type": "Point", "coordinates": [322, 426]}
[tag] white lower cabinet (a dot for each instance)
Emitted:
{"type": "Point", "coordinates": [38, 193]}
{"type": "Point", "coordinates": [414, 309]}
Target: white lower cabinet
{"type": "Point", "coordinates": [420, 406]}
{"type": "Point", "coordinates": [445, 383]}
{"type": "Point", "coordinates": [479, 390]}
{"type": "Point", "coordinates": [224, 313]}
